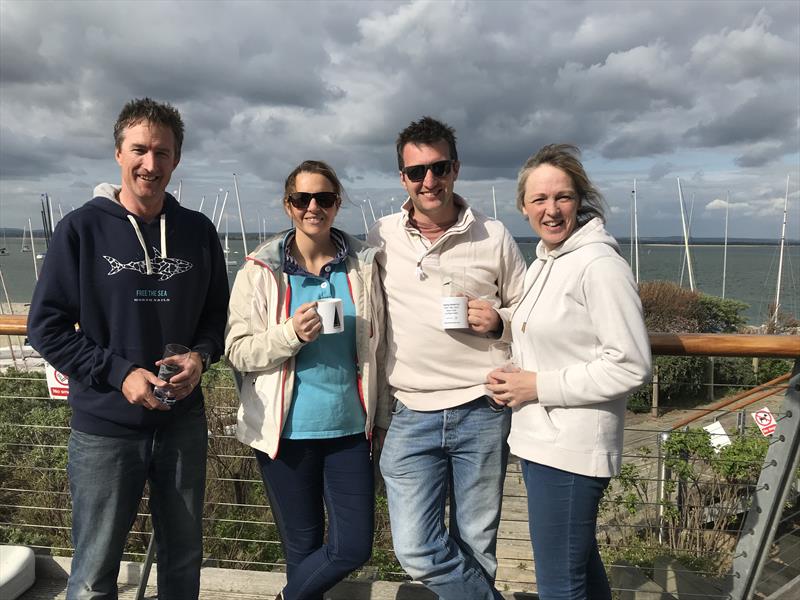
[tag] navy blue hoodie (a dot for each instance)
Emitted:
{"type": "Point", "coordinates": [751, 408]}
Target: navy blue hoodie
{"type": "Point", "coordinates": [96, 275]}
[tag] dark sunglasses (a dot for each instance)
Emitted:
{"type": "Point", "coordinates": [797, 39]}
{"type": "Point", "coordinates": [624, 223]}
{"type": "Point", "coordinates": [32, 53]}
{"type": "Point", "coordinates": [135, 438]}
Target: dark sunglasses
{"type": "Point", "coordinates": [417, 172]}
{"type": "Point", "coordinates": [301, 200]}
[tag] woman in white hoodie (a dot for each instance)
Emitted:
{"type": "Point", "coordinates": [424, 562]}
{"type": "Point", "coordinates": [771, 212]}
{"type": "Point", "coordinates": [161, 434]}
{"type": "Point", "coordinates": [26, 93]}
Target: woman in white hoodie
{"type": "Point", "coordinates": [582, 347]}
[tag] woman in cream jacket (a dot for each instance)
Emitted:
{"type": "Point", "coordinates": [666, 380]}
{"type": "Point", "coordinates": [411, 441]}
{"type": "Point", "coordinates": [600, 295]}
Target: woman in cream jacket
{"type": "Point", "coordinates": [580, 340]}
{"type": "Point", "coordinates": [309, 402]}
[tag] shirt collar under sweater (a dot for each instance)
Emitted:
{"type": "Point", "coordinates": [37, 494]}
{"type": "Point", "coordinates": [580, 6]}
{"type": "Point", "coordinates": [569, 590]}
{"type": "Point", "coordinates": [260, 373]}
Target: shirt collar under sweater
{"type": "Point", "coordinates": [291, 266]}
{"type": "Point", "coordinates": [462, 224]}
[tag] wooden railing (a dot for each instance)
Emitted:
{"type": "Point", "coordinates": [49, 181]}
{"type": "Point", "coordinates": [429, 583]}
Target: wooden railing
{"type": "Point", "coordinates": [663, 344]}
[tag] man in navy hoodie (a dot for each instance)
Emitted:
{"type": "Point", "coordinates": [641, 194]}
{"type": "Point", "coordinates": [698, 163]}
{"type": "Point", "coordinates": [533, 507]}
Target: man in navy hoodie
{"type": "Point", "coordinates": [127, 273]}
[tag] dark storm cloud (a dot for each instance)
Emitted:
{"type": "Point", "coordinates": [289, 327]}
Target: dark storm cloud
{"type": "Point", "coordinates": [769, 115]}
{"type": "Point", "coordinates": [640, 144]}
{"type": "Point", "coordinates": [659, 170]}
{"type": "Point", "coordinates": [27, 157]}
{"type": "Point", "coordinates": [760, 155]}
{"type": "Point", "coordinates": [264, 85]}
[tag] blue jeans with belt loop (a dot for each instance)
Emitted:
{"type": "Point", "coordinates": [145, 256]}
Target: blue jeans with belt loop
{"type": "Point", "coordinates": [460, 452]}
{"type": "Point", "coordinates": [106, 480]}
{"type": "Point", "coordinates": [562, 517]}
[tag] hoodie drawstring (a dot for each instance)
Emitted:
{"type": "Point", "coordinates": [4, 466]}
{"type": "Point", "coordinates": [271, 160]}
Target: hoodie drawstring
{"type": "Point", "coordinates": [163, 235]}
{"type": "Point", "coordinates": [163, 223]}
{"type": "Point", "coordinates": [539, 281]}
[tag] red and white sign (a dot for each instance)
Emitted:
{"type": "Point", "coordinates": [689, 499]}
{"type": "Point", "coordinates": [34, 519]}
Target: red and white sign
{"type": "Point", "coordinates": [765, 421]}
{"type": "Point", "coordinates": [57, 383]}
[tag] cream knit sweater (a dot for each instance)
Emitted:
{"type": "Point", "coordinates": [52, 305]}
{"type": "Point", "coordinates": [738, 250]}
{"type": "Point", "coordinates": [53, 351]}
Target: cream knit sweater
{"type": "Point", "coordinates": [427, 367]}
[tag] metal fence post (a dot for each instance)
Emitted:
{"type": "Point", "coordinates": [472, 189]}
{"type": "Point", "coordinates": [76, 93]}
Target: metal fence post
{"type": "Point", "coordinates": [710, 368]}
{"type": "Point", "coordinates": [148, 562]}
{"type": "Point", "coordinates": [654, 402]}
{"type": "Point", "coordinates": [774, 483]}
{"type": "Point", "coordinates": [663, 475]}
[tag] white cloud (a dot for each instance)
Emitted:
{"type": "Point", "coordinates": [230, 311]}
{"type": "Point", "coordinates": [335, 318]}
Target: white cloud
{"type": "Point", "coordinates": [707, 91]}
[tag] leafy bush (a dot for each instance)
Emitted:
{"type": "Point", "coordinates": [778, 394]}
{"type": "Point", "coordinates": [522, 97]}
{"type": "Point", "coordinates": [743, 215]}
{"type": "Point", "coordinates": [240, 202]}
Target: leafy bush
{"type": "Point", "coordinates": [683, 380]}
{"type": "Point", "coordinates": [239, 527]}
{"type": "Point", "coordinates": [704, 497]}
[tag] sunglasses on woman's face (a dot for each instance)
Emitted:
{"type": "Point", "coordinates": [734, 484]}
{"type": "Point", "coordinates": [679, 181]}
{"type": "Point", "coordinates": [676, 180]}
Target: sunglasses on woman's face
{"type": "Point", "coordinates": [301, 200]}
{"type": "Point", "coordinates": [417, 173]}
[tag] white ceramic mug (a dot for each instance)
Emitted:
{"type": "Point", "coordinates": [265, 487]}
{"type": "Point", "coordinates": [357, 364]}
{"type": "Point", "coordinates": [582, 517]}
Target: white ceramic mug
{"type": "Point", "coordinates": [331, 314]}
{"type": "Point", "coordinates": [454, 312]}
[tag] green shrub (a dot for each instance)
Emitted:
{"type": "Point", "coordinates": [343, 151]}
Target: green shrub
{"type": "Point", "coordinates": [683, 380]}
{"type": "Point", "coordinates": [701, 505]}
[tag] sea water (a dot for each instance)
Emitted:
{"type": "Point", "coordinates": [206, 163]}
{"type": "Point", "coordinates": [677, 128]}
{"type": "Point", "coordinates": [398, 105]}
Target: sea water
{"type": "Point", "coordinates": [752, 271]}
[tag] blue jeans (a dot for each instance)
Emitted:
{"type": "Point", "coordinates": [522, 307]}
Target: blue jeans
{"type": "Point", "coordinates": [460, 452]}
{"type": "Point", "coordinates": [306, 474]}
{"type": "Point", "coordinates": [562, 516]}
{"type": "Point", "coordinates": [106, 480]}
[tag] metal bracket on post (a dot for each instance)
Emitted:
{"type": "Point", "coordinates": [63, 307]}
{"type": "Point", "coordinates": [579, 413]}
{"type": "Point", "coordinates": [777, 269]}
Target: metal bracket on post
{"type": "Point", "coordinates": [776, 480]}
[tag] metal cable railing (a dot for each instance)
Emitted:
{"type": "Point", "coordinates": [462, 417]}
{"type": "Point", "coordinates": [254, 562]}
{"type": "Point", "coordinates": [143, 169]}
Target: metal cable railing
{"type": "Point", "coordinates": [661, 520]}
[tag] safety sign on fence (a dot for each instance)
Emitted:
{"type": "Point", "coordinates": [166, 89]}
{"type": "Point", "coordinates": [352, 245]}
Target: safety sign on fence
{"type": "Point", "coordinates": [57, 383]}
{"type": "Point", "coordinates": [765, 421]}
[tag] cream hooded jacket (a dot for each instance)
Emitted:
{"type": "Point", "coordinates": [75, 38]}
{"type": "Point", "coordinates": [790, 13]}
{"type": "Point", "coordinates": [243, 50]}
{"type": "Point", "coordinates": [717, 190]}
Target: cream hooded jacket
{"type": "Point", "coordinates": [261, 342]}
{"type": "Point", "coordinates": [580, 328]}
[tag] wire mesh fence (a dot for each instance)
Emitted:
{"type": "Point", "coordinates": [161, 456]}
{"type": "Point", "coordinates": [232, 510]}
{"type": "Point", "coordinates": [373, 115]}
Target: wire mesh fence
{"type": "Point", "coordinates": [672, 522]}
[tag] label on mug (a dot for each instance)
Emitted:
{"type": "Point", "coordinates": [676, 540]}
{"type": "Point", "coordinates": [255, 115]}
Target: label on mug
{"type": "Point", "coordinates": [454, 312]}
{"type": "Point", "coordinates": [331, 314]}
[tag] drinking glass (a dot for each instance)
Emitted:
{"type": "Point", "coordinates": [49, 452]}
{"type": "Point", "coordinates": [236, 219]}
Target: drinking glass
{"type": "Point", "coordinates": [502, 356]}
{"type": "Point", "coordinates": [171, 363]}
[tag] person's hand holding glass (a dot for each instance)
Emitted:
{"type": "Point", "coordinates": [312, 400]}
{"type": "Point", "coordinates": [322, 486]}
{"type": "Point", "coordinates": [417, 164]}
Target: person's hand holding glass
{"type": "Point", "coordinates": [509, 385]}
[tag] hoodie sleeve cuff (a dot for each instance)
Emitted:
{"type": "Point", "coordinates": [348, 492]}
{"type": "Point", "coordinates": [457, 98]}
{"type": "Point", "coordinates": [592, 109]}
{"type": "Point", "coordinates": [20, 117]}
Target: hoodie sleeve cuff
{"type": "Point", "coordinates": [120, 368]}
{"type": "Point", "coordinates": [548, 388]}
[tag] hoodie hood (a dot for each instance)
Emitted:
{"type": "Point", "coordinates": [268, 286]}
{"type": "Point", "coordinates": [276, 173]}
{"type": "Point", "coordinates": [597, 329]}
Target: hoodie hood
{"type": "Point", "coordinates": [593, 232]}
{"type": "Point", "coordinates": [106, 198]}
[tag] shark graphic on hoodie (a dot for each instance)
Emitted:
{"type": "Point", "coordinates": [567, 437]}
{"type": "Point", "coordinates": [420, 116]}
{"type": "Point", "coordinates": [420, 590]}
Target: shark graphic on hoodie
{"type": "Point", "coordinates": [164, 268]}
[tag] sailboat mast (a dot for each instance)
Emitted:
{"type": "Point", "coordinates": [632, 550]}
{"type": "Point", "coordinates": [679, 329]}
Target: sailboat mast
{"type": "Point", "coordinates": [33, 252]}
{"type": "Point", "coordinates": [241, 219]}
{"type": "Point", "coordinates": [780, 260]}
{"type": "Point", "coordinates": [494, 204]}
{"type": "Point", "coordinates": [364, 216]}
{"type": "Point", "coordinates": [630, 235]}
{"type": "Point", "coordinates": [222, 209]}
{"type": "Point", "coordinates": [685, 236]}
{"type": "Point", "coordinates": [636, 229]}
{"type": "Point", "coordinates": [725, 246]}
{"type": "Point", "coordinates": [214, 212]}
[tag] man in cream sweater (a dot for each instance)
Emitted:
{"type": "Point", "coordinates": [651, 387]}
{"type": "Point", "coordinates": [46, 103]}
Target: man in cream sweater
{"type": "Point", "coordinates": [446, 438]}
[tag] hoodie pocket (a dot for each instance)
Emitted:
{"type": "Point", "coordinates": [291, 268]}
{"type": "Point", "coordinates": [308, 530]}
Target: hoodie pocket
{"type": "Point", "coordinates": [540, 425]}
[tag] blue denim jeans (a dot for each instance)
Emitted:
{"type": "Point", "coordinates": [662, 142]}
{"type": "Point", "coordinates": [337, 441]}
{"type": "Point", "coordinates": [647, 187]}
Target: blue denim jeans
{"type": "Point", "coordinates": [562, 516]}
{"type": "Point", "coordinates": [106, 480]}
{"type": "Point", "coordinates": [305, 474]}
{"type": "Point", "coordinates": [459, 452]}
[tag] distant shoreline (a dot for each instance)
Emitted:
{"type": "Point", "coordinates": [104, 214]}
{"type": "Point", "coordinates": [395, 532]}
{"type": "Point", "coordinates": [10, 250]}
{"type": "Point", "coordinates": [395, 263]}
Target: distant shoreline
{"type": "Point", "coordinates": [647, 241]}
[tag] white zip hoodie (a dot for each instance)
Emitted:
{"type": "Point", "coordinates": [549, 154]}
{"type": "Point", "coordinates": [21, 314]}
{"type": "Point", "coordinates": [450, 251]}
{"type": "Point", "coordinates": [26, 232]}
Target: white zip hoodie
{"type": "Point", "coordinates": [580, 328]}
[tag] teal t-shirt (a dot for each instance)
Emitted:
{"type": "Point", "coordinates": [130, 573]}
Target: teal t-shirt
{"type": "Point", "coordinates": [325, 401]}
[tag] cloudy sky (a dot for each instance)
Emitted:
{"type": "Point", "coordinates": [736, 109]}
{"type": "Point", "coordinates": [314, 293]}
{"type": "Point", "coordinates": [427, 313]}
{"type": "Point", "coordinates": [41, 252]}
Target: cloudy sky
{"type": "Point", "coordinates": [705, 91]}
